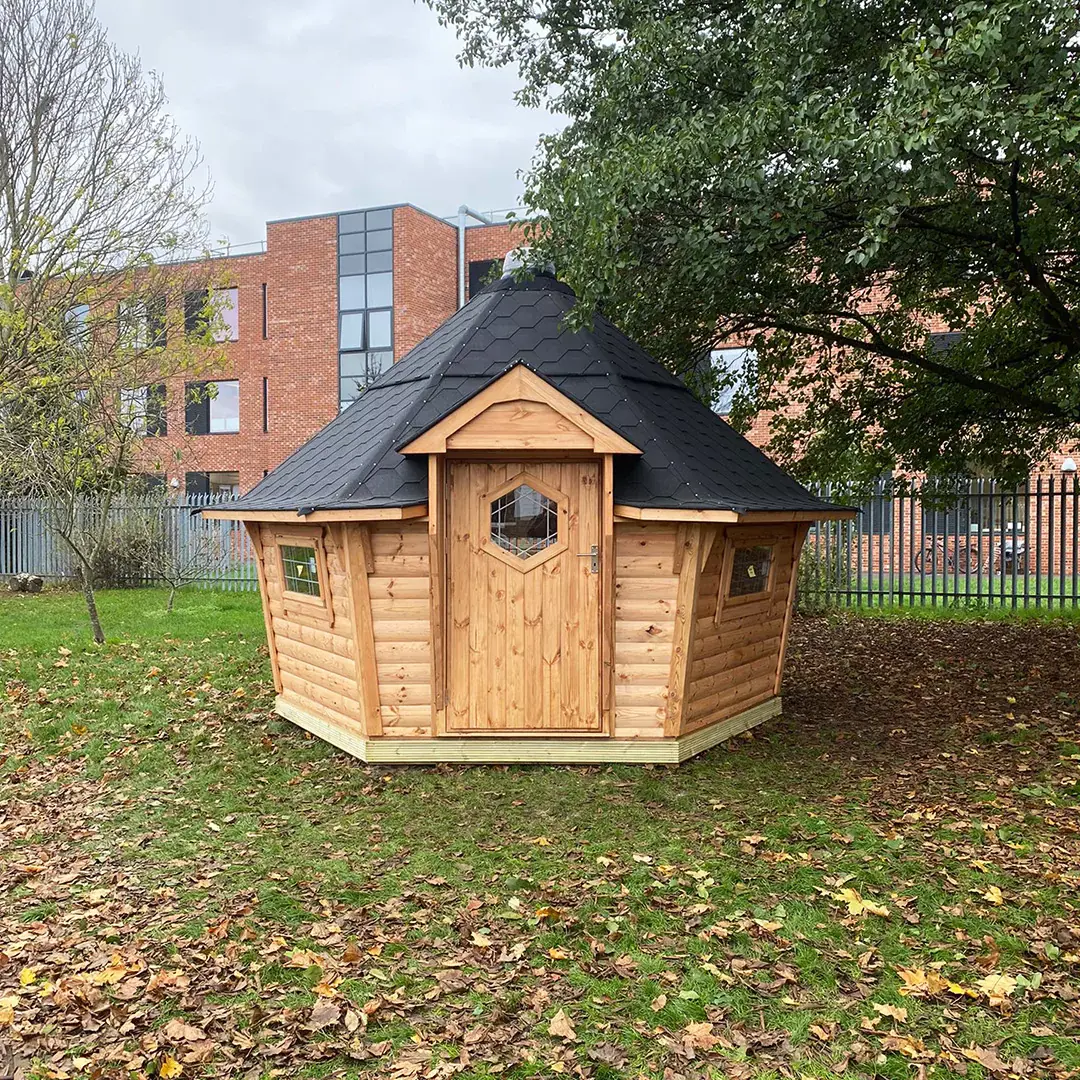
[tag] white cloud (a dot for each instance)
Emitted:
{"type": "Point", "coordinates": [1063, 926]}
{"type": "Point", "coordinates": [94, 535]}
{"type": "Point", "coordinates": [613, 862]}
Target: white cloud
{"type": "Point", "coordinates": [306, 108]}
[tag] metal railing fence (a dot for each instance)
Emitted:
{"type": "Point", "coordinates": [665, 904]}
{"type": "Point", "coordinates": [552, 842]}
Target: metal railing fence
{"type": "Point", "coordinates": [218, 552]}
{"type": "Point", "coordinates": [980, 545]}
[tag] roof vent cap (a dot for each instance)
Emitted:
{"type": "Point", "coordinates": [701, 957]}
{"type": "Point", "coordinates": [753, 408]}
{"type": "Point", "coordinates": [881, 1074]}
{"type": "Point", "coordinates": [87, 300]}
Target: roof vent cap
{"type": "Point", "coordinates": [522, 258]}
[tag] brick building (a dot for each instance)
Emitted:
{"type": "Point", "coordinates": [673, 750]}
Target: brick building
{"type": "Point", "coordinates": [326, 305]}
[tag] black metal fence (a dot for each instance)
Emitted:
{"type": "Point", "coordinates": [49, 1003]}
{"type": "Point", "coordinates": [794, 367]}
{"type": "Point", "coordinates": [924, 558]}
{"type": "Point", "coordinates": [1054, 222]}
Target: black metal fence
{"type": "Point", "coordinates": [981, 545]}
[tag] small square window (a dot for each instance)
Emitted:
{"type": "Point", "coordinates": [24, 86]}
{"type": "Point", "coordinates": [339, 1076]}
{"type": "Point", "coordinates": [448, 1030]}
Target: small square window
{"type": "Point", "coordinates": [352, 264]}
{"type": "Point", "coordinates": [300, 566]}
{"type": "Point", "coordinates": [353, 365]}
{"type": "Point", "coordinates": [750, 570]}
{"type": "Point", "coordinates": [380, 219]}
{"type": "Point", "coordinates": [379, 261]}
{"type": "Point", "coordinates": [380, 241]}
{"type": "Point", "coordinates": [378, 364]}
{"type": "Point", "coordinates": [350, 223]}
{"type": "Point", "coordinates": [380, 290]}
{"type": "Point", "coordinates": [306, 584]}
{"type": "Point", "coordinates": [352, 293]}
{"type": "Point", "coordinates": [352, 244]}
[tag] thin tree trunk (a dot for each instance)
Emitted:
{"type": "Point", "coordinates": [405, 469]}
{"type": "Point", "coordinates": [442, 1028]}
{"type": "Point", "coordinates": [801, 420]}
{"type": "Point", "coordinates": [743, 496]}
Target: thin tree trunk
{"type": "Point", "coordinates": [91, 606]}
{"type": "Point", "coordinates": [172, 597]}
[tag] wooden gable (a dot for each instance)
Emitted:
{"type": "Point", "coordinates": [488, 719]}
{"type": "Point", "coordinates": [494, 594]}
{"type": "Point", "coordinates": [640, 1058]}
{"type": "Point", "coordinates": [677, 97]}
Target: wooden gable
{"type": "Point", "coordinates": [520, 411]}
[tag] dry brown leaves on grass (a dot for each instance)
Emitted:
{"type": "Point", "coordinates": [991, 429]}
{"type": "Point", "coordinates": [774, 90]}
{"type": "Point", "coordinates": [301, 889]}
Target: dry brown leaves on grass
{"type": "Point", "coordinates": [915, 761]}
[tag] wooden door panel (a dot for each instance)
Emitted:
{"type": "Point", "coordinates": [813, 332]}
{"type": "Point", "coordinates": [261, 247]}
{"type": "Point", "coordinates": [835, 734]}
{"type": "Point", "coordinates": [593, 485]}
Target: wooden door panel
{"type": "Point", "coordinates": [523, 634]}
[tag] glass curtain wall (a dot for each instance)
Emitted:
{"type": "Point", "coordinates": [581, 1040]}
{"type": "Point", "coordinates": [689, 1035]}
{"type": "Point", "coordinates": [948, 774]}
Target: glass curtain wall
{"type": "Point", "coordinates": [365, 300]}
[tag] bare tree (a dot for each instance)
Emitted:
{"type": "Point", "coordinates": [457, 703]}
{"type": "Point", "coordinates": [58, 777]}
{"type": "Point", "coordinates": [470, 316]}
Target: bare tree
{"type": "Point", "coordinates": [171, 543]}
{"type": "Point", "coordinates": [101, 230]}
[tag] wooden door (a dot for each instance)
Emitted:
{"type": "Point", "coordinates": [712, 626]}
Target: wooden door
{"type": "Point", "coordinates": [523, 597]}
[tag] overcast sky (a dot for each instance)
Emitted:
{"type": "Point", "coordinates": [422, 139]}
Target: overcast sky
{"type": "Point", "coordinates": [310, 106]}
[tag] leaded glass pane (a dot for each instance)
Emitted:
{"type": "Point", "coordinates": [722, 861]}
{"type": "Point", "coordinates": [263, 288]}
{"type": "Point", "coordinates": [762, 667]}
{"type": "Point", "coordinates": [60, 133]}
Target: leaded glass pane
{"type": "Point", "coordinates": [524, 521]}
{"type": "Point", "coordinates": [750, 570]}
{"type": "Point", "coordinates": [300, 569]}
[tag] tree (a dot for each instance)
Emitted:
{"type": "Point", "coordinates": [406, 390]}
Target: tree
{"type": "Point", "coordinates": [100, 203]}
{"type": "Point", "coordinates": [827, 182]}
{"type": "Point", "coordinates": [170, 544]}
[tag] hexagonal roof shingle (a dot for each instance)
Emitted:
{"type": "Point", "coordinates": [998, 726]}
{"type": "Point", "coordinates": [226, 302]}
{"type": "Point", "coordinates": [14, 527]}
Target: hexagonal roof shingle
{"type": "Point", "coordinates": [690, 458]}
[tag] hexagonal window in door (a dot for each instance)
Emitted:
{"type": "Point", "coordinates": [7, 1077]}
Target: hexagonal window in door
{"type": "Point", "coordinates": [524, 521]}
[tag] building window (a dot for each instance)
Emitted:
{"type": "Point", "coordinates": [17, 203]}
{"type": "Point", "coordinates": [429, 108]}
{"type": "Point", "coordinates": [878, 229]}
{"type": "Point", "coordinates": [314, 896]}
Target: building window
{"type": "Point", "coordinates": [300, 568]}
{"type": "Point", "coordinates": [365, 299]}
{"type": "Point", "coordinates": [143, 408]}
{"type": "Point", "coordinates": [876, 513]}
{"type": "Point", "coordinates": [266, 404]}
{"type": "Point", "coordinates": [218, 308]}
{"type": "Point", "coordinates": [142, 322]}
{"type": "Point", "coordinates": [305, 581]}
{"type": "Point", "coordinates": [218, 484]}
{"type": "Point", "coordinates": [265, 312]}
{"type": "Point", "coordinates": [482, 271]}
{"type": "Point", "coordinates": [359, 370]}
{"type": "Point", "coordinates": [524, 521]}
{"type": "Point", "coordinates": [731, 365]}
{"type": "Point", "coordinates": [213, 408]}
{"type": "Point", "coordinates": [77, 323]}
{"type": "Point", "coordinates": [943, 342]}
{"type": "Point", "coordinates": [751, 569]}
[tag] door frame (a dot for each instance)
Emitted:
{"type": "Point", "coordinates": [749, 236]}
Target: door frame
{"type": "Point", "coordinates": [442, 622]}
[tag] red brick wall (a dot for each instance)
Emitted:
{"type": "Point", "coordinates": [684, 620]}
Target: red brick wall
{"type": "Point", "coordinates": [298, 357]}
{"type": "Point", "coordinates": [490, 242]}
{"type": "Point", "coordinates": [425, 276]}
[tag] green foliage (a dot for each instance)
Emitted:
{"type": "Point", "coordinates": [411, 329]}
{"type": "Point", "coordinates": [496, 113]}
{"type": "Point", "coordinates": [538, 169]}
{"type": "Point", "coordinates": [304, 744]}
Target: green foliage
{"type": "Point", "coordinates": [826, 181]}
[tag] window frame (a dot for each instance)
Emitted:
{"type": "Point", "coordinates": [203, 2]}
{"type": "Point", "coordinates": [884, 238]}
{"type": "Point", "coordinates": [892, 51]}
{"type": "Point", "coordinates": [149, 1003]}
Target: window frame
{"type": "Point", "coordinates": [731, 544]}
{"type": "Point", "coordinates": [562, 520]}
{"type": "Point", "coordinates": [717, 356]}
{"type": "Point", "coordinates": [302, 605]}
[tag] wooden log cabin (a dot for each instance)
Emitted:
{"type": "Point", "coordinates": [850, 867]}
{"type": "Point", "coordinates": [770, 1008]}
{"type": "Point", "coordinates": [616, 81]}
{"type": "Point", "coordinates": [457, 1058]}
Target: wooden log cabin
{"type": "Point", "coordinates": [527, 544]}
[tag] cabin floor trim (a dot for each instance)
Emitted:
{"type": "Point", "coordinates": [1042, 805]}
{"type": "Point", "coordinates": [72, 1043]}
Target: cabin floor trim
{"type": "Point", "coordinates": [504, 750]}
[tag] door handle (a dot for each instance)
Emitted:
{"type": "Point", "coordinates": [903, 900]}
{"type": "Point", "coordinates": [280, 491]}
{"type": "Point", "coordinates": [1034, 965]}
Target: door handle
{"type": "Point", "coordinates": [593, 554]}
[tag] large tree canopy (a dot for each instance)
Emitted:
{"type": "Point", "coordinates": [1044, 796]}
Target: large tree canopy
{"type": "Point", "coordinates": [831, 181]}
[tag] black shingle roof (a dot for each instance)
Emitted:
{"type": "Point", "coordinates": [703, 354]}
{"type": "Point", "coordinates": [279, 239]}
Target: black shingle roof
{"type": "Point", "coordinates": [690, 458]}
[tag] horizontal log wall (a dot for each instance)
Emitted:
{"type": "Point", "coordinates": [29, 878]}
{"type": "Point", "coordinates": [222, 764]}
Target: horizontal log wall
{"type": "Point", "coordinates": [316, 660]}
{"type": "Point", "coordinates": [645, 588]}
{"type": "Point", "coordinates": [734, 661]}
{"type": "Point", "coordinates": [401, 615]}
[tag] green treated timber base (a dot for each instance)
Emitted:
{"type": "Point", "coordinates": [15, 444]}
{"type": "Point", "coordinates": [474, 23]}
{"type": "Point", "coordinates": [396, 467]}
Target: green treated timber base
{"type": "Point", "coordinates": [531, 749]}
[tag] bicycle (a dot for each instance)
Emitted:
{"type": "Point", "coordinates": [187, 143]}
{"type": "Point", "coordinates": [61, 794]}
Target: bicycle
{"type": "Point", "coordinates": [965, 556]}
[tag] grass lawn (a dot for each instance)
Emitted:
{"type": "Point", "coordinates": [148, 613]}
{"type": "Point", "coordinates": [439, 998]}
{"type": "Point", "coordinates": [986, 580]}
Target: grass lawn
{"type": "Point", "coordinates": [883, 882]}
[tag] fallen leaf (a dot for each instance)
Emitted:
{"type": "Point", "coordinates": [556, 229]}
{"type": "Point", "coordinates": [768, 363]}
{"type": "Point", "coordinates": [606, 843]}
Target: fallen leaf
{"type": "Point", "coordinates": [988, 1059]}
{"type": "Point", "coordinates": [562, 1027]}
{"type": "Point", "coordinates": [170, 1067]}
{"type": "Point", "coordinates": [897, 1012]}
{"type": "Point", "coordinates": [858, 906]}
{"type": "Point", "coordinates": [996, 988]}
{"type": "Point", "coordinates": [179, 1031]}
